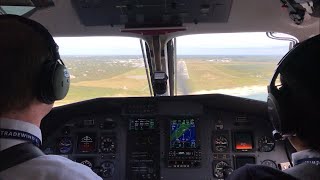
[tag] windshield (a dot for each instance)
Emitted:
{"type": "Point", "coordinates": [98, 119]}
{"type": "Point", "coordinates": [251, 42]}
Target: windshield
{"type": "Point", "coordinates": [238, 64]}
{"type": "Point", "coordinates": [103, 67]}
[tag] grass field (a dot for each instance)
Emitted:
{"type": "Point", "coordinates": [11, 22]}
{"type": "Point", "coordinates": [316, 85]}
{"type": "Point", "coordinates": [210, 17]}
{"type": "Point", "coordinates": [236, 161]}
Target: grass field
{"type": "Point", "coordinates": [115, 76]}
{"type": "Point", "coordinates": [219, 75]}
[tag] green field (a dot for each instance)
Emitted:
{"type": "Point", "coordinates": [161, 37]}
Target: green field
{"type": "Point", "coordinates": [114, 76]}
{"type": "Point", "coordinates": [218, 75]}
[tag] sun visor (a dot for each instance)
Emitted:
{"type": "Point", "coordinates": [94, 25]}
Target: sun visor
{"type": "Point", "coordinates": [146, 13]}
{"type": "Point", "coordinates": [33, 3]}
{"type": "Point", "coordinates": [23, 7]}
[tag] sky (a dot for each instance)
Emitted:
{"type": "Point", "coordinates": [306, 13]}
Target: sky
{"type": "Point", "coordinates": [201, 44]}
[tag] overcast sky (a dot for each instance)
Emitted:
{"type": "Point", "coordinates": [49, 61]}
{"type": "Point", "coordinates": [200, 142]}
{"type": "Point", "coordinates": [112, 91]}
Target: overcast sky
{"type": "Point", "coordinates": [204, 44]}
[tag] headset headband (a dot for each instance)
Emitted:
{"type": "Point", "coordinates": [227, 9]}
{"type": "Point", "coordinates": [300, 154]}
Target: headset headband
{"type": "Point", "coordinates": [282, 63]}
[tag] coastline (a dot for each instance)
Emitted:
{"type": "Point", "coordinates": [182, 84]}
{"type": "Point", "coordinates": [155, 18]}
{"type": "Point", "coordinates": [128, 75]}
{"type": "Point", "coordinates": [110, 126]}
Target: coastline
{"type": "Point", "coordinates": [244, 91]}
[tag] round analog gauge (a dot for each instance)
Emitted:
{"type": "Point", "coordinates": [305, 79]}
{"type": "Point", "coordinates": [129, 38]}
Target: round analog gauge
{"type": "Point", "coordinates": [87, 163]}
{"type": "Point", "coordinates": [269, 163]}
{"type": "Point", "coordinates": [266, 144]}
{"type": "Point", "coordinates": [218, 169]}
{"type": "Point", "coordinates": [221, 143]}
{"type": "Point", "coordinates": [107, 145]}
{"type": "Point", "coordinates": [65, 145]}
{"type": "Point", "coordinates": [107, 169]}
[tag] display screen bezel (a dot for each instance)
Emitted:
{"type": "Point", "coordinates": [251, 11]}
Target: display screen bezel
{"type": "Point", "coordinates": [82, 134]}
{"type": "Point", "coordinates": [236, 142]}
{"type": "Point", "coordinates": [143, 127]}
{"type": "Point", "coordinates": [250, 160]}
{"type": "Point", "coordinates": [196, 131]}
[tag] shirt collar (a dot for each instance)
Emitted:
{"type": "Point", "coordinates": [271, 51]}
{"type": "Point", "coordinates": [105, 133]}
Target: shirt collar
{"type": "Point", "coordinates": [305, 154]}
{"type": "Point", "coordinates": [20, 125]}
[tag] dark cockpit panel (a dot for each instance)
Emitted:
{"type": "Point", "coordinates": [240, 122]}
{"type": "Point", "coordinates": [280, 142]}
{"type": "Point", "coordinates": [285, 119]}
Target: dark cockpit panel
{"type": "Point", "coordinates": [144, 13]}
{"type": "Point", "coordinates": [190, 137]}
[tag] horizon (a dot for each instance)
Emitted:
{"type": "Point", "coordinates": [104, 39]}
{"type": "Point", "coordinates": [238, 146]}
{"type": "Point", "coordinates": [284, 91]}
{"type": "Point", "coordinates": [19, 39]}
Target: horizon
{"type": "Point", "coordinates": [256, 43]}
{"type": "Point", "coordinates": [237, 55]}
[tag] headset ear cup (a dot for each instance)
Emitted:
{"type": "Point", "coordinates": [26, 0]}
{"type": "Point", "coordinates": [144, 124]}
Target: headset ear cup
{"type": "Point", "coordinates": [55, 81]}
{"type": "Point", "coordinates": [60, 82]}
{"type": "Point", "coordinates": [45, 94]}
{"type": "Point", "coordinates": [274, 112]}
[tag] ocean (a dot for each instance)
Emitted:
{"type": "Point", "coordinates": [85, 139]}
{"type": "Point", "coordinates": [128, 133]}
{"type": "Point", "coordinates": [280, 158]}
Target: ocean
{"type": "Point", "coordinates": [258, 96]}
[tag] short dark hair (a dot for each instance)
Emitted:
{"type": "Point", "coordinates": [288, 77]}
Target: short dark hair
{"type": "Point", "coordinates": [301, 76]}
{"type": "Point", "coordinates": [22, 53]}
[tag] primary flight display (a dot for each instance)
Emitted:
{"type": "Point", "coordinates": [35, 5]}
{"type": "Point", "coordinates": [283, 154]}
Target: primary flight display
{"type": "Point", "coordinates": [183, 133]}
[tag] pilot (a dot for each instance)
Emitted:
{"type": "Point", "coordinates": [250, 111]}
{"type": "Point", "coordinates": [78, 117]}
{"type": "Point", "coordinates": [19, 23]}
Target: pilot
{"type": "Point", "coordinates": [294, 112]}
{"type": "Point", "coordinates": [32, 77]}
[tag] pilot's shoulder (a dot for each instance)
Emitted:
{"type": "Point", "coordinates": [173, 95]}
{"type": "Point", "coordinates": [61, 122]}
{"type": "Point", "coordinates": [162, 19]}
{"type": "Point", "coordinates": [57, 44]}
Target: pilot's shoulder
{"type": "Point", "coordinates": [58, 167]}
{"type": "Point", "coordinates": [259, 172]}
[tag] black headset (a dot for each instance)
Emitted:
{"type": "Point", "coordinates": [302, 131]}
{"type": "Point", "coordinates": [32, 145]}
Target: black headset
{"type": "Point", "coordinates": [54, 77]}
{"type": "Point", "coordinates": [284, 126]}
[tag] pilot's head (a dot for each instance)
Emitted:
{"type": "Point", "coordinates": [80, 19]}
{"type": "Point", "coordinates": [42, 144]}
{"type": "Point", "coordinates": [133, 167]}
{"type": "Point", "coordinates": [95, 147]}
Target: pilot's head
{"type": "Point", "coordinates": [31, 73]}
{"type": "Point", "coordinates": [294, 106]}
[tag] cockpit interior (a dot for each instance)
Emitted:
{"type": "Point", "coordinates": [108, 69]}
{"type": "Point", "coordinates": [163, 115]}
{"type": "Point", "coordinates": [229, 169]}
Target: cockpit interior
{"type": "Point", "coordinates": [153, 110]}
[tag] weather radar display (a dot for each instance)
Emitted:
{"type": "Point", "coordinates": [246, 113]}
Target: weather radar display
{"type": "Point", "coordinates": [183, 133]}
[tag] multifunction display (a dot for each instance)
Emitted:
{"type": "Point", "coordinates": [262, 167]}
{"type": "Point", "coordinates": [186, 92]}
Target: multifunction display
{"type": "Point", "coordinates": [183, 133]}
{"type": "Point", "coordinates": [184, 149]}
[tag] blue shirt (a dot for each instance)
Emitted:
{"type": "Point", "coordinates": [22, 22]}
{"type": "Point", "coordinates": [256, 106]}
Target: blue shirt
{"type": "Point", "coordinates": [307, 154]}
{"type": "Point", "coordinates": [259, 172]}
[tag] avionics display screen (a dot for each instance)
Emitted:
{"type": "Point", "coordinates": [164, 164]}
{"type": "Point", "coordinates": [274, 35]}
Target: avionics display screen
{"type": "Point", "coordinates": [241, 161]}
{"type": "Point", "coordinates": [141, 124]}
{"type": "Point", "coordinates": [243, 141]}
{"type": "Point", "coordinates": [182, 133]}
{"type": "Point", "coordinates": [86, 143]}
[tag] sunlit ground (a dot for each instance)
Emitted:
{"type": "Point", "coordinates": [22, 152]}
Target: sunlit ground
{"type": "Point", "coordinates": [198, 76]}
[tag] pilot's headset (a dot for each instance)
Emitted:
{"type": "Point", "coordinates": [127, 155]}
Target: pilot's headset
{"type": "Point", "coordinates": [54, 77]}
{"type": "Point", "coordinates": [283, 124]}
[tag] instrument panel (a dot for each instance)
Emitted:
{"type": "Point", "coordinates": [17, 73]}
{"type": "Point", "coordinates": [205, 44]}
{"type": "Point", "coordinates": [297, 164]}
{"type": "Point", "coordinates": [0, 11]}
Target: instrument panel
{"type": "Point", "coordinates": [89, 141]}
{"type": "Point", "coordinates": [164, 138]}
